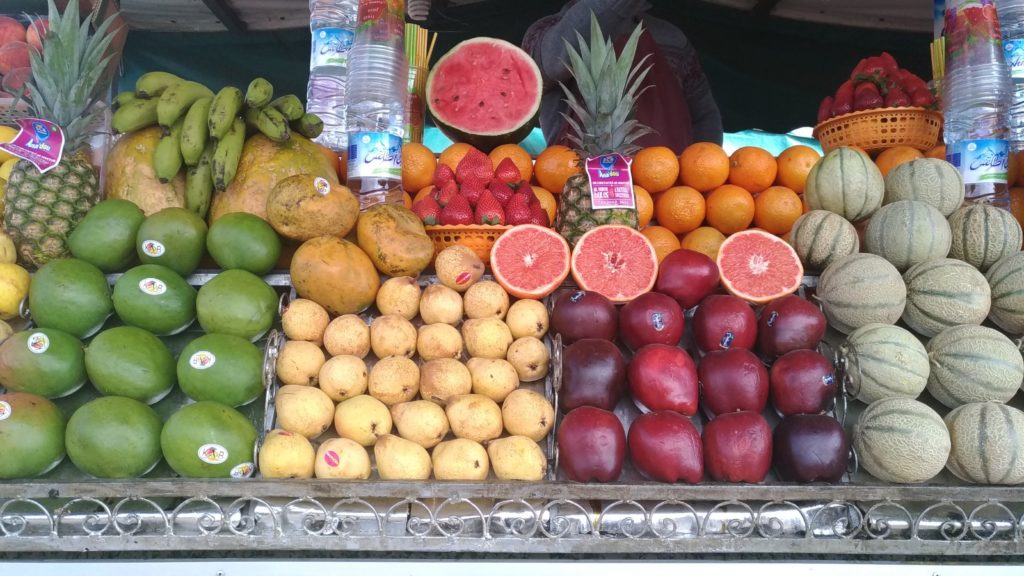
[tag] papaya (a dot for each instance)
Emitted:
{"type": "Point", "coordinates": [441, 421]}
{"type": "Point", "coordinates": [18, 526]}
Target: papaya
{"type": "Point", "coordinates": [394, 239]}
{"type": "Point", "coordinates": [130, 174]}
{"type": "Point", "coordinates": [335, 274]}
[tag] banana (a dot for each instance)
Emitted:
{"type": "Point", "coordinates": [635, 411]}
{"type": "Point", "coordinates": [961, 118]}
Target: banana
{"type": "Point", "coordinates": [195, 132]}
{"type": "Point", "coordinates": [226, 155]}
{"type": "Point", "coordinates": [273, 124]}
{"type": "Point", "coordinates": [153, 84]}
{"type": "Point", "coordinates": [134, 115]}
{"type": "Point", "coordinates": [176, 100]}
{"type": "Point", "coordinates": [259, 93]}
{"type": "Point", "coordinates": [226, 105]}
{"type": "Point", "coordinates": [199, 182]}
{"type": "Point", "coordinates": [167, 156]}
{"type": "Point", "coordinates": [123, 98]}
{"type": "Point", "coordinates": [289, 105]}
{"type": "Point", "coordinates": [310, 125]}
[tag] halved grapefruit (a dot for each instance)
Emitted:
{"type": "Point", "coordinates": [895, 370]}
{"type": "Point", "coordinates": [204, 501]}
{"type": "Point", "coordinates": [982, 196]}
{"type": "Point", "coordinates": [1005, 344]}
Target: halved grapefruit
{"type": "Point", "coordinates": [530, 261]}
{"type": "Point", "coordinates": [759, 267]}
{"type": "Point", "coordinates": [616, 261]}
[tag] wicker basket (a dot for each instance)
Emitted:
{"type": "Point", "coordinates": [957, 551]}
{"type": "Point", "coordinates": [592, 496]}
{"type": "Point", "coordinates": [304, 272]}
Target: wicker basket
{"type": "Point", "coordinates": [478, 238]}
{"type": "Point", "coordinates": [881, 128]}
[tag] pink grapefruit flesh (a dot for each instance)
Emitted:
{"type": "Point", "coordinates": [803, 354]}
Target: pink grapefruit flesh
{"type": "Point", "coordinates": [758, 266]}
{"type": "Point", "coordinates": [530, 261]}
{"type": "Point", "coordinates": [615, 261]}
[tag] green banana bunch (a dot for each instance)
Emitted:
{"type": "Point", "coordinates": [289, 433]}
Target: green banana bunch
{"type": "Point", "coordinates": [309, 125]}
{"type": "Point", "coordinates": [259, 93]}
{"type": "Point", "coordinates": [177, 99]}
{"type": "Point", "coordinates": [227, 154]}
{"type": "Point", "coordinates": [134, 115]}
{"type": "Point", "coordinates": [153, 84]}
{"type": "Point", "coordinates": [199, 182]}
{"type": "Point", "coordinates": [289, 105]}
{"type": "Point", "coordinates": [270, 122]}
{"type": "Point", "coordinates": [195, 131]}
{"type": "Point", "coordinates": [167, 156]}
{"type": "Point", "coordinates": [225, 108]}
{"type": "Point", "coordinates": [122, 98]}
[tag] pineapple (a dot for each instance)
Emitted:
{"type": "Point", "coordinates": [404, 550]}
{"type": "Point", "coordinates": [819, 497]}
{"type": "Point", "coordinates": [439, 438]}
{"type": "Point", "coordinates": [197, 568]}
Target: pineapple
{"type": "Point", "coordinates": [601, 122]}
{"type": "Point", "coordinates": [65, 87]}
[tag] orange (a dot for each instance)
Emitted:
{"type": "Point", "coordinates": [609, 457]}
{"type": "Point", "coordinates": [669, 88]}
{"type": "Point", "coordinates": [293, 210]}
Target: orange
{"type": "Point", "coordinates": [333, 159]}
{"type": "Point", "coordinates": [680, 209]}
{"type": "Point", "coordinates": [1017, 204]}
{"type": "Point", "coordinates": [752, 169]}
{"type": "Point", "coordinates": [895, 156]}
{"type": "Point", "coordinates": [663, 240]}
{"type": "Point", "coordinates": [418, 165]}
{"type": "Point", "coordinates": [423, 193]}
{"type": "Point", "coordinates": [547, 200]}
{"type": "Point", "coordinates": [1013, 168]}
{"type": "Point", "coordinates": [1020, 173]}
{"type": "Point", "coordinates": [452, 155]}
{"type": "Point", "coordinates": [704, 166]}
{"type": "Point", "coordinates": [407, 200]}
{"type": "Point", "coordinates": [521, 158]}
{"type": "Point", "coordinates": [705, 240]}
{"type": "Point", "coordinates": [730, 209]}
{"type": "Point", "coordinates": [644, 205]}
{"type": "Point", "coordinates": [655, 168]}
{"type": "Point", "coordinates": [554, 166]}
{"type": "Point", "coordinates": [794, 164]}
{"type": "Point", "coordinates": [776, 209]}
{"type": "Point", "coordinates": [937, 152]}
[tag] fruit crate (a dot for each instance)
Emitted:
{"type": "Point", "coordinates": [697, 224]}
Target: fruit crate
{"type": "Point", "coordinates": [859, 516]}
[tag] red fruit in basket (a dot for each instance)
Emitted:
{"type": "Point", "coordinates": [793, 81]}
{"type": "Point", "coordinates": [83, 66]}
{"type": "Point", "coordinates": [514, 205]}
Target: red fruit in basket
{"type": "Point", "coordinates": [443, 174]}
{"type": "Point", "coordinates": [733, 380]}
{"type": "Point", "coordinates": [688, 276]}
{"type": "Point", "coordinates": [922, 98]}
{"type": "Point", "coordinates": [473, 191]}
{"type": "Point", "coordinates": [591, 445]}
{"type": "Point", "coordinates": [582, 314]}
{"type": "Point", "coordinates": [13, 55]}
{"type": "Point", "coordinates": [593, 374]}
{"type": "Point", "coordinates": [663, 377]}
{"type": "Point", "coordinates": [445, 194]}
{"type": "Point", "coordinates": [890, 68]}
{"type": "Point", "coordinates": [428, 210]}
{"type": "Point", "coordinates": [665, 446]}
{"type": "Point", "coordinates": [36, 32]}
{"type": "Point", "coordinates": [723, 321]}
{"type": "Point", "coordinates": [651, 318]}
{"type": "Point", "coordinates": [738, 447]}
{"type": "Point", "coordinates": [912, 82]}
{"type": "Point", "coordinates": [502, 192]}
{"type": "Point", "coordinates": [517, 211]}
{"type": "Point", "coordinates": [825, 109]}
{"type": "Point", "coordinates": [810, 448]}
{"type": "Point", "coordinates": [506, 171]}
{"type": "Point", "coordinates": [866, 96]}
{"type": "Point", "coordinates": [896, 98]}
{"type": "Point", "coordinates": [802, 382]}
{"type": "Point", "coordinates": [539, 216]}
{"type": "Point", "coordinates": [475, 167]}
{"type": "Point", "coordinates": [843, 103]}
{"type": "Point", "coordinates": [488, 210]}
{"type": "Point", "coordinates": [789, 323]}
{"type": "Point", "coordinates": [11, 30]}
{"type": "Point", "coordinates": [457, 211]}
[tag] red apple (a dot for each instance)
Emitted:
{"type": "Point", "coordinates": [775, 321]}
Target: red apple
{"type": "Point", "coordinates": [651, 318]}
{"type": "Point", "coordinates": [582, 314]}
{"type": "Point", "coordinates": [688, 276]}
{"type": "Point", "coordinates": [789, 323]}
{"type": "Point", "coordinates": [738, 447]}
{"type": "Point", "coordinates": [665, 446]}
{"type": "Point", "coordinates": [802, 382]}
{"type": "Point", "coordinates": [723, 322]}
{"type": "Point", "coordinates": [591, 445]}
{"type": "Point", "coordinates": [733, 380]}
{"type": "Point", "coordinates": [663, 377]}
{"type": "Point", "coordinates": [593, 374]}
{"type": "Point", "coordinates": [810, 448]}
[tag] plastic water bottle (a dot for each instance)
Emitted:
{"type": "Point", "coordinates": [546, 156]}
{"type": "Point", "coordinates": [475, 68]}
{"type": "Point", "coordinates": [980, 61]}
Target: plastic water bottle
{"type": "Point", "coordinates": [976, 100]}
{"type": "Point", "coordinates": [376, 103]}
{"type": "Point", "coordinates": [1011, 21]}
{"type": "Point", "coordinates": [332, 23]}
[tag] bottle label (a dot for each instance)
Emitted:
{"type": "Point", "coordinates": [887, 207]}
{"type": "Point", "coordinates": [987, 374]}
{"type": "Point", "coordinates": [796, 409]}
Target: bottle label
{"type": "Point", "coordinates": [1013, 52]}
{"type": "Point", "coordinates": [611, 184]}
{"type": "Point", "coordinates": [375, 155]}
{"type": "Point", "coordinates": [41, 142]}
{"type": "Point", "coordinates": [331, 46]}
{"type": "Point", "coordinates": [981, 161]}
{"type": "Point", "coordinates": [383, 20]}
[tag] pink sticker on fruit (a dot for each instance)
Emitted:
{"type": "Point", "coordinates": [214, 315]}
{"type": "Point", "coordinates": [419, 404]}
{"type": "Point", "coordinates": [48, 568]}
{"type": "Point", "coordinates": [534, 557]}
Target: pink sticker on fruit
{"type": "Point", "coordinates": [41, 142]}
{"type": "Point", "coordinates": [611, 184]}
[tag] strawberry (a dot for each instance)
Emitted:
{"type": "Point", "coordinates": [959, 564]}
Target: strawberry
{"type": "Point", "coordinates": [472, 191]}
{"type": "Point", "coordinates": [475, 166]}
{"type": "Point", "coordinates": [428, 210]}
{"type": "Point", "coordinates": [443, 175]}
{"type": "Point", "coordinates": [539, 216]}
{"type": "Point", "coordinates": [488, 210]}
{"type": "Point", "coordinates": [843, 103]}
{"type": "Point", "coordinates": [507, 172]}
{"type": "Point", "coordinates": [517, 211]}
{"type": "Point", "coordinates": [912, 82]}
{"type": "Point", "coordinates": [922, 98]}
{"type": "Point", "coordinates": [866, 96]}
{"type": "Point", "coordinates": [446, 193]}
{"type": "Point", "coordinates": [896, 98]}
{"type": "Point", "coordinates": [501, 191]}
{"type": "Point", "coordinates": [825, 109]}
{"type": "Point", "coordinates": [457, 211]}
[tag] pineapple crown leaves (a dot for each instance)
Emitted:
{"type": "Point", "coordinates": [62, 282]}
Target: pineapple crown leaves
{"type": "Point", "coordinates": [601, 118]}
{"type": "Point", "coordinates": [65, 83]}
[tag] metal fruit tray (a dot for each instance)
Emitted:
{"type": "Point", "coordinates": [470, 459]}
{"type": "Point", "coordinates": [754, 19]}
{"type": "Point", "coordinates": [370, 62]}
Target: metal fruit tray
{"type": "Point", "coordinates": [861, 516]}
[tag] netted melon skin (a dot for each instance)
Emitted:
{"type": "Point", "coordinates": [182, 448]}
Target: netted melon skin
{"type": "Point", "coordinates": [885, 361]}
{"type": "Point", "coordinates": [902, 441]}
{"type": "Point", "coordinates": [930, 180]}
{"type": "Point", "coordinates": [861, 289]}
{"type": "Point", "coordinates": [983, 234]}
{"type": "Point", "coordinates": [820, 237]}
{"type": "Point", "coordinates": [945, 293]}
{"type": "Point", "coordinates": [1006, 281]}
{"type": "Point", "coordinates": [973, 364]}
{"type": "Point", "coordinates": [907, 233]}
{"type": "Point", "coordinates": [987, 443]}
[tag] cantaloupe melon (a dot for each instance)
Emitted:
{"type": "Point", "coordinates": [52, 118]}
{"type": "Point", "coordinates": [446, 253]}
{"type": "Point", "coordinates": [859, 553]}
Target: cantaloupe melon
{"type": "Point", "coordinates": [901, 440]}
{"type": "Point", "coordinates": [884, 361]}
{"type": "Point", "coordinates": [944, 293]}
{"type": "Point", "coordinates": [845, 182]}
{"type": "Point", "coordinates": [987, 441]}
{"type": "Point", "coordinates": [983, 234]}
{"type": "Point", "coordinates": [1006, 279]}
{"type": "Point", "coordinates": [908, 232]}
{"type": "Point", "coordinates": [821, 237]}
{"type": "Point", "coordinates": [973, 364]}
{"type": "Point", "coordinates": [930, 180]}
{"type": "Point", "coordinates": [861, 289]}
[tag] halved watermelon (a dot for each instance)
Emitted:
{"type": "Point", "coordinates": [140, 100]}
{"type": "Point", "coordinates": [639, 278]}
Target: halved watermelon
{"type": "Point", "coordinates": [485, 92]}
{"type": "Point", "coordinates": [616, 261]}
{"type": "Point", "coordinates": [530, 261]}
{"type": "Point", "coordinates": [759, 267]}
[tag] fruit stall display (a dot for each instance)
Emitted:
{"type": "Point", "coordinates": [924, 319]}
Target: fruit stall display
{"type": "Point", "coordinates": [219, 350]}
